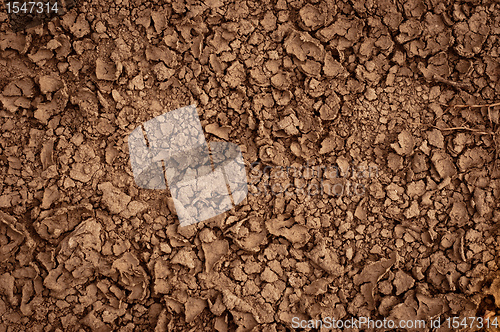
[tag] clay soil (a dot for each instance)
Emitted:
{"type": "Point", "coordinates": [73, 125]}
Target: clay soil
{"type": "Point", "coordinates": [401, 97]}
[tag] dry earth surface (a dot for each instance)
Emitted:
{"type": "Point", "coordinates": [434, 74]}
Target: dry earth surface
{"type": "Point", "coordinates": [407, 90]}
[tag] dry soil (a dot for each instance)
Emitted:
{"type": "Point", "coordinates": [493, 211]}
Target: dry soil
{"type": "Point", "coordinates": [408, 90]}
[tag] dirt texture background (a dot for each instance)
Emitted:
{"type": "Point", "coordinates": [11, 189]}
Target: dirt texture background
{"type": "Point", "coordinates": [406, 88]}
